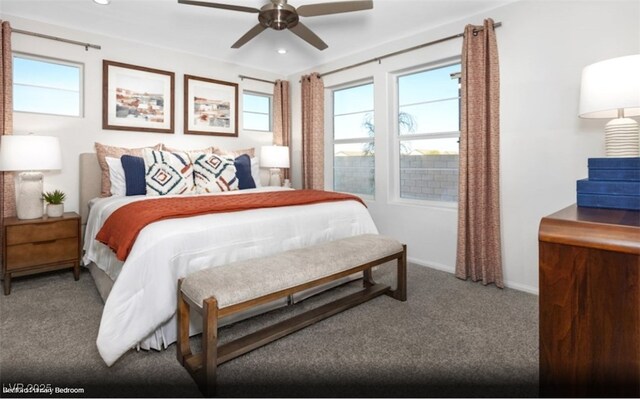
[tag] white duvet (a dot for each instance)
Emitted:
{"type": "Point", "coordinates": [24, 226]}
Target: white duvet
{"type": "Point", "coordinates": [140, 310]}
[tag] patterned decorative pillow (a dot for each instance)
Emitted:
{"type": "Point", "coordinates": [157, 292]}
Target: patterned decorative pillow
{"type": "Point", "coordinates": [168, 173]}
{"type": "Point", "coordinates": [213, 173]}
{"type": "Point", "coordinates": [104, 151]}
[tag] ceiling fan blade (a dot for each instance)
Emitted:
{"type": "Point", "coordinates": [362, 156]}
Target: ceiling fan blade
{"type": "Point", "coordinates": [312, 10]}
{"type": "Point", "coordinates": [253, 32]}
{"type": "Point", "coordinates": [218, 5]}
{"type": "Point", "coordinates": [307, 35]}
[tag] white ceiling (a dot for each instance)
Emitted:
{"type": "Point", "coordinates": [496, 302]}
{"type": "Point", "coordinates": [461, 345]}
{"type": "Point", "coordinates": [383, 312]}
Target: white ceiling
{"type": "Point", "coordinates": [210, 32]}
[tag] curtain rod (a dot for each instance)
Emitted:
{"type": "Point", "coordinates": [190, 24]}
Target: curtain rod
{"type": "Point", "coordinates": [242, 77]}
{"type": "Point", "coordinates": [58, 39]}
{"type": "Point", "coordinates": [382, 57]}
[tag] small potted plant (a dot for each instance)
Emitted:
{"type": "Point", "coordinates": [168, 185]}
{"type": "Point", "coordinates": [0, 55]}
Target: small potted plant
{"type": "Point", "coordinates": [55, 203]}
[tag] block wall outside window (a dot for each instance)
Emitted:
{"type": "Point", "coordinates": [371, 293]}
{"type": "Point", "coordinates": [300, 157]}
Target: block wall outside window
{"type": "Point", "coordinates": [428, 134]}
{"type": "Point", "coordinates": [354, 140]}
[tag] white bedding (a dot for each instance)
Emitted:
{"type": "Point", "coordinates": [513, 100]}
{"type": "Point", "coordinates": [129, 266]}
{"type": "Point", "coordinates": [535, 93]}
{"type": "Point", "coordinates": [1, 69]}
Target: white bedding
{"type": "Point", "coordinates": [140, 310]}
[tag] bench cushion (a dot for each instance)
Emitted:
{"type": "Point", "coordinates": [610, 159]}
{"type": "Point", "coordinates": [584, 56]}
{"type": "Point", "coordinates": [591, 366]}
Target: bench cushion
{"type": "Point", "coordinates": [242, 281]}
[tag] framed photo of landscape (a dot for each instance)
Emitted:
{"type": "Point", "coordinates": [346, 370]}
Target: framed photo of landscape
{"type": "Point", "coordinates": [210, 107]}
{"type": "Point", "coordinates": [137, 98]}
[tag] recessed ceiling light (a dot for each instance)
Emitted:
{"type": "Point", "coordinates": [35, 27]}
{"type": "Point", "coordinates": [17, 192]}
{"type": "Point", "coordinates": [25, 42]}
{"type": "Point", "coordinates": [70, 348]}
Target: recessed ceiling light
{"type": "Point", "coordinates": [282, 51]}
{"type": "Point", "coordinates": [102, 2]}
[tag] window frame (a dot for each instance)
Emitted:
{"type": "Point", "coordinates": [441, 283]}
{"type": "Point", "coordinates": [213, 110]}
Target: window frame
{"type": "Point", "coordinates": [395, 138]}
{"type": "Point", "coordinates": [258, 94]}
{"type": "Point", "coordinates": [58, 61]}
{"type": "Point", "coordinates": [330, 140]}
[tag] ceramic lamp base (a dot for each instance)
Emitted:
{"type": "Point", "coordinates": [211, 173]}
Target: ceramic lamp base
{"type": "Point", "coordinates": [622, 138]}
{"type": "Point", "coordinates": [274, 180]}
{"type": "Point", "coordinates": [29, 204]}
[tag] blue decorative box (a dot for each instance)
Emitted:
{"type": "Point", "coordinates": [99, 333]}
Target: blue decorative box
{"type": "Point", "coordinates": [612, 183]}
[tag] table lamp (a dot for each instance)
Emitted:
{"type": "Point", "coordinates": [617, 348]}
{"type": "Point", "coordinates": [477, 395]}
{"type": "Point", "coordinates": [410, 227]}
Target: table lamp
{"type": "Point", "coordinates": [274, 157]}
{"type": "Point", "coordinates": [611, 89]}
{"type": "Point", "coordinates": [29, 155]}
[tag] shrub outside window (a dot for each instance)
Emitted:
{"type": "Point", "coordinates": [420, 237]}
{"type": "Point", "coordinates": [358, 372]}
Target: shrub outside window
{"type": "Point", "coordinates": [428, 134]}
{"type": "Point", "coordinates": [354, 140]}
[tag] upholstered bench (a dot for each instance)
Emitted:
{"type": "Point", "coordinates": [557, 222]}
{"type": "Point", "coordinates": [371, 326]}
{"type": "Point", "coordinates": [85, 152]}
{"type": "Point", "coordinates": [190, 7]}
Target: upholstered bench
{"type": "Point", "coordinates": [225, 290]}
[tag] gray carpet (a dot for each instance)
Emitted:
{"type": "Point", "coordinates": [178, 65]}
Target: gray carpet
{"type": "Point", "coordinates": [451, 338]}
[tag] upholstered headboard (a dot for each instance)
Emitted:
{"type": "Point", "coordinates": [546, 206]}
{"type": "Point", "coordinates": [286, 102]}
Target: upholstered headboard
{"type": "Point", "coordinates": [90, 180]}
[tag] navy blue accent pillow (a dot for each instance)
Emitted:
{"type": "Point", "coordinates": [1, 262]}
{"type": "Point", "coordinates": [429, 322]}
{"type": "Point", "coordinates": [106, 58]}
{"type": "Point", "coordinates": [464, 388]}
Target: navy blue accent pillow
{"type": "Point", "coordinates": [243, 172]}
{"type": "Point", "coordinates": [134, 175]}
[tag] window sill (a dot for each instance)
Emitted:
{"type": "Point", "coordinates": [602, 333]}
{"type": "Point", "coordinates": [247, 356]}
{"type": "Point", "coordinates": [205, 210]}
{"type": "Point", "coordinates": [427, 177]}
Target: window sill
{"type": "Point", "coordinates": [453, 206]}
{"type": "Point", "coordinates": [257, 131]}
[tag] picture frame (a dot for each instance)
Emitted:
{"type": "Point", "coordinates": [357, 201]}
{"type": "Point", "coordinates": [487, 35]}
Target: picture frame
{"type": "Point", "coordinates": [210, 107]}
{"type": "Point", "coordinates": [137, 98]}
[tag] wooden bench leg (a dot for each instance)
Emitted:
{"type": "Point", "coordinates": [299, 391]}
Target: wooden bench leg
{"type": "Point", "coordinates": [210, 345]}
{"type": "Point", "coordinates": [183, 348]}
{"type": "Point", "coordinates": [367, 278]}
{"type": "Point", "coordinates": [400, 293]}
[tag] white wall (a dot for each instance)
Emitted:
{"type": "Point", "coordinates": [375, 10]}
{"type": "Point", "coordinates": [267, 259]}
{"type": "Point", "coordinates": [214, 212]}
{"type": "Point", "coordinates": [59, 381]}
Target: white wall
{"type": "Point", "coordinates": [78, 135]}
{"type": "Point", "coordinates": [543, 47]}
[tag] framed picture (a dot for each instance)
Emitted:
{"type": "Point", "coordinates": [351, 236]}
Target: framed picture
{"type": "Point", "coordinates": [137, 98]}
{"type": "Point", "coordinates": [210, 107]}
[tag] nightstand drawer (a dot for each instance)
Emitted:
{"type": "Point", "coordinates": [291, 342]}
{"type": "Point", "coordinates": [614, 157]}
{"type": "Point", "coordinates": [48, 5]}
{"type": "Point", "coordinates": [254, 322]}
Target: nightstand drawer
{"type": "Point", "coordinates": [27, 233]}
{"type": "Point", "coordinates": [30, 254]}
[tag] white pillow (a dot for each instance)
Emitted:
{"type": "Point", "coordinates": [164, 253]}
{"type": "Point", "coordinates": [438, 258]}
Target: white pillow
{"type": "Point", "coordinates": [255, 171]}
{"type": "Point", "coordinates": [116, 177]}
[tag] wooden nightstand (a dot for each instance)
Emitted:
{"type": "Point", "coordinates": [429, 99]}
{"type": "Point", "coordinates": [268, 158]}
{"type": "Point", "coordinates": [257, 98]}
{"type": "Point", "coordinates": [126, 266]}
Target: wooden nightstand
{"type": "Point", "coordinates": [39, 245]}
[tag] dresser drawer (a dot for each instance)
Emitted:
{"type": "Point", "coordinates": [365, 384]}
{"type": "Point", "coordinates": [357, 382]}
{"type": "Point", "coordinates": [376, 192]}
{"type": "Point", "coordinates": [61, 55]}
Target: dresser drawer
{"type": "Point", "coordinates": [27, 233]}
{"type": "Point", "coordinates": [30, 254]}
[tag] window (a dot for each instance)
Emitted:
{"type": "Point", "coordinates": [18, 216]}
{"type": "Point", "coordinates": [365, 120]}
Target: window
{"type": "Point", "coordinates": [256, 111]}
{"type": "Point", "coordinates": [47, 86]}
{"type": "Point", "coordinates": [428, 134]}
{"type": "Point", "coordinates": [353, 140]}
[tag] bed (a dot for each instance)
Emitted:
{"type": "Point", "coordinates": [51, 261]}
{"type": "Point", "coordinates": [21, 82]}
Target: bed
{"type": "Point", "coordinates": [140, 293]}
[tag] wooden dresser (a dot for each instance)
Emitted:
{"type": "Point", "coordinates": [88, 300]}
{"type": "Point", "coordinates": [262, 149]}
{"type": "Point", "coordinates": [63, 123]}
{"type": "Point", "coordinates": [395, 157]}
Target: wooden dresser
{"type": "Point", "coordinates": [38, 245]}
{"type": "Point", "coordinates": [590, 303]}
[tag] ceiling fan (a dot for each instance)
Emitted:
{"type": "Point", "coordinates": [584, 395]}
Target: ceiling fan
{"type": "Point", "coordinates": [279, 15]}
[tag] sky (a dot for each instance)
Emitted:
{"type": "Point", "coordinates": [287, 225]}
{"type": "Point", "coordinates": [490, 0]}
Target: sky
{"type": "Point", "coordinates": [46, 87]}
{"type": "Point", "coordinates": [430, 97]}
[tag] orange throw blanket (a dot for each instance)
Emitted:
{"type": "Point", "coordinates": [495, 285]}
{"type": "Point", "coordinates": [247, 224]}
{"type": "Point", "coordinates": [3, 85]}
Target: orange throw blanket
{"type": "Point", "coordinates": [121, 229]}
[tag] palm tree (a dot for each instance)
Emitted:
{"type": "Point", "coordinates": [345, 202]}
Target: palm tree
{"type": "Point", "coordinates": [406, 124]}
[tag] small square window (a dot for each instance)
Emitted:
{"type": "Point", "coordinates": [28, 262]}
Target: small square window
{"type": "Point", "coordinates": [47, 86]}
{"type": "Point", "coordinates": [256, 111]}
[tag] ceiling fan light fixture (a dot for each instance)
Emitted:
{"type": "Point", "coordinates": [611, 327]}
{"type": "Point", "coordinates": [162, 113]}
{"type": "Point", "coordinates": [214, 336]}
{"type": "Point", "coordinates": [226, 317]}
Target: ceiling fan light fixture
{"type": "Point", "coordinates": [102, 2]}
{"type": "Point", "coordinates": [278, 16]}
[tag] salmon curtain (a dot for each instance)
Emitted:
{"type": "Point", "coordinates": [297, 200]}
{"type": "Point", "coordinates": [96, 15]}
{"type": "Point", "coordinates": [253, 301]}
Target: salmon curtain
{"type": "Point", "coordinates": [479, 253]}
{"type": "Point", "coordinates": [282, 119]}
{"type": "Point", "coordinates": [7, 187]}
{"type": "Point", "coordinates": [312, 132]}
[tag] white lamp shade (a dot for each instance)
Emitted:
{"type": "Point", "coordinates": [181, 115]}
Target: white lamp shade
{"type": "Point", "coordinates": [29, 153]}
{"type": "Point", "coordinates": [274, 156]}
{"type": "Point", "coordinates": [610, 85]}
